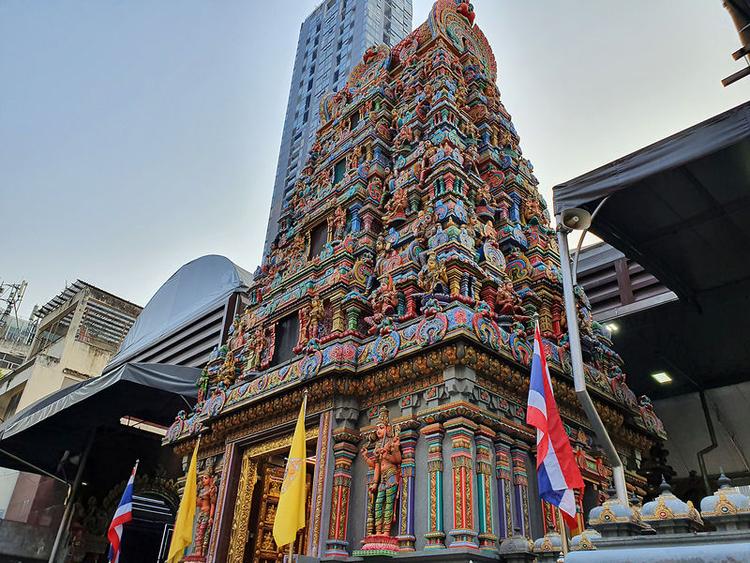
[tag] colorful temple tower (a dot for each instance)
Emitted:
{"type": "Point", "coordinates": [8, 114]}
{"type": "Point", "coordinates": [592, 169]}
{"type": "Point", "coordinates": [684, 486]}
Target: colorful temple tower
{"type": "Point", "coordinates": [401, 293]}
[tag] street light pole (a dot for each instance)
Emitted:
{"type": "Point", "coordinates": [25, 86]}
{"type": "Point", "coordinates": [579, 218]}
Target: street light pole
{"type": "Point", "coordinates": [576, 362]}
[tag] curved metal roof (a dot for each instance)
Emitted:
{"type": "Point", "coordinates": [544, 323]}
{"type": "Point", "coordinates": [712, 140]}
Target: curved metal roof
{"type": "Point", "coordinates": [194, 289]}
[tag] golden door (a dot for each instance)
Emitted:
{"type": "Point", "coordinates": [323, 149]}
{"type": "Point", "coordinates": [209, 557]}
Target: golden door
{"type": "Point", "coordinates": [264, 549]}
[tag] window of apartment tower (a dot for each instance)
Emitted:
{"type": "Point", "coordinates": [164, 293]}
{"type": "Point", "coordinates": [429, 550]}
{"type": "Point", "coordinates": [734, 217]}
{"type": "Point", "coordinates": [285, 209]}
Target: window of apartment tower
{"type": "Point", "coordinates": [318, 239]}
{"type": "Point", "coordinates": [287, 335]}
{"type": "Point", "coordinates": [339, 169]}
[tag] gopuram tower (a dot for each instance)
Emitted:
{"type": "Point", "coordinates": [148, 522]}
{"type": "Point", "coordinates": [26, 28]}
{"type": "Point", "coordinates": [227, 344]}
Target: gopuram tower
{"type": "Point", "coordinates": [401, 293]}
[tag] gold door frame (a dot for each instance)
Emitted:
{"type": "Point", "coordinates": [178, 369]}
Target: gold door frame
{"type": "Point", "coordinates": [246, 486]}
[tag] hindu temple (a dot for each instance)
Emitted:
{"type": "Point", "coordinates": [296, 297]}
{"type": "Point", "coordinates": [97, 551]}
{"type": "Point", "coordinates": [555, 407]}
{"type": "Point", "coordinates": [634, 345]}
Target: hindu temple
{"type": "Point", "coordinates": [413, 259]}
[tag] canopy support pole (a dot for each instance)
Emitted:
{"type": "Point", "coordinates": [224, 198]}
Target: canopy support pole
{"type": "Point", "coordinates": [34, 467]}
{"type": "Point", "coordinates": [70, 501]}
{"type": "Point", "coordinates": [576, 362]}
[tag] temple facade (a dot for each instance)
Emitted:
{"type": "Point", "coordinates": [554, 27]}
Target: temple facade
{"type": "Point", "coordinates": [414, 257]}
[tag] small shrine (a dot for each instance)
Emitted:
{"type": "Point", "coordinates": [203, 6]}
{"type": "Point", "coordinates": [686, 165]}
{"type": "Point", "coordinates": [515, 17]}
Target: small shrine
{"type": "Point", "coordinates": [413, 256]}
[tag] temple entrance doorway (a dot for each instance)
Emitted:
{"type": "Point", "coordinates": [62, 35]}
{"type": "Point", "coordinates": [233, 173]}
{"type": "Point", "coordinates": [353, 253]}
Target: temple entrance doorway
{"type": "Point", "coordinates": [261, 477]}
{"type": "Point", "coordinates": [261, 547]}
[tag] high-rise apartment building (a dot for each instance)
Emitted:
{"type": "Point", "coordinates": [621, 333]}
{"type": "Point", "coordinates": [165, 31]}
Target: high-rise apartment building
{"type": "Point", "coordinates": [331, 42]}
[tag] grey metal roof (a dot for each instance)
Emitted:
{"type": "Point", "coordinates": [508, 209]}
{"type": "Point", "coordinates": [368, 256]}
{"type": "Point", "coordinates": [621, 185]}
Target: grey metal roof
{"type": "Point", "coordinates": [191, 292]}
{"type": "Point", "coordinates": [681, 209]}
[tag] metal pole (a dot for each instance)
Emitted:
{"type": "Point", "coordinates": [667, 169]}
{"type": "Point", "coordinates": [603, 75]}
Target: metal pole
{"type": "Point", "coordinates": [34, 467]}
{"type": "Point", "coordinates": [70, 501]}
{"type": "Point", "coordinates": [563, 532]}
{"type": "Point", "coordinates": [576, 362]}
{"type": "Point", "coordinates": [712, 446]}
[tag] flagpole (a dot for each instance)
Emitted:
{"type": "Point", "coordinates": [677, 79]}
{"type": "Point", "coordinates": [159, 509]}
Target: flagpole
{"type": "Point", "coordinates": [291, 545]}
{"type": "Point", "coordinates": [563, 532]}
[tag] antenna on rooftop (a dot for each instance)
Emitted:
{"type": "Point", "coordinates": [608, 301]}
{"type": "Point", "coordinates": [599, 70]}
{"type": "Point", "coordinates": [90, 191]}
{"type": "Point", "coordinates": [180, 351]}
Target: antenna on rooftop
{"type": "Point", "coordinates": [11, 295]}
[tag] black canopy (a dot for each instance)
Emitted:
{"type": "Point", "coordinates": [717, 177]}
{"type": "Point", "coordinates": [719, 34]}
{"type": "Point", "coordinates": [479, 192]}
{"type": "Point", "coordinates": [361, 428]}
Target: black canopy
{"type": "Point", "coordinates": [64, 421]}
{"type": "Point", "coordinates": [681, 208]}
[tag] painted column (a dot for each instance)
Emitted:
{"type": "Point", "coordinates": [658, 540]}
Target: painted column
{"type": "Point", "coordinates": [409, 435]}
{"type": "Point", "coordinates": [485, 499]}
{"type": "Point", "coordinates": [435, 536]}
{"type": "Point", "coordinates": [580, 523]}
{"type": "Point", "coordinates": [549, 517]}
{"type": "Point", "coordinates": [521, 518]}
{"type": "Point", "coordinates": [461, 432]}
{"type": "Point", "coordinates": [356, 219]}
{"type": "Point", "coordinates": [344, 452]}
{"type": "Point", "coordinates": [321, 488]}
{"type": "Point", "coordinates": [504, 474]}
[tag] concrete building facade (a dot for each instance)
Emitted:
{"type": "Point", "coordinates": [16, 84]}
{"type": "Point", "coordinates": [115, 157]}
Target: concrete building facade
{"type": "Point", "coordinates": [331, 42]}
{"type": "Point", "coordinates": [78, 332]}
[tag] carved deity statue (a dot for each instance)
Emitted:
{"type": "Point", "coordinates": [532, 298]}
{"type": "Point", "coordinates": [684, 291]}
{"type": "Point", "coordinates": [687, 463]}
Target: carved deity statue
{"type": "Point", "coordinates": [471, 158]}
{"type": "Point", "coordinates": [397, 206]}
{"type": "Point", "coordinates": [420, 224]}
{"type": "Point", "coordinates": [227, 372]}
{"type": "Point", "coordinates": [532, 210]}
{"type": "Point", "coordinates": [338, 223]}
{"type": "Point", "coordinates": [490, 233]}
{"type": "Point", "coordinates": [484, 196]}
{"type": "Point", "coordinates": [236, 333]}
{"type": "Point", "coordinates": [427, 157]}
{"type": "Point", "coordinates": [314, 317]}
{"type": "Point", "coordinates": [255, 350]}
{"type": "Point", "coordinates": [205, 507]}
{"type": "Point", "coordinates": [433, 276]}
{"type": "Point", "coordinates": [383, 488]}
{"type": "Point", "coordinates": [202, 385]}
{"type": "Point", "coordinates": [507, 301]}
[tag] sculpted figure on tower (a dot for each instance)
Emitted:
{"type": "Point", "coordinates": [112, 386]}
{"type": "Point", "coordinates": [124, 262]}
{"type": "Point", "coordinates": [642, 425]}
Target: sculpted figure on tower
{"type": "Point", "coordinates": [384, 460]}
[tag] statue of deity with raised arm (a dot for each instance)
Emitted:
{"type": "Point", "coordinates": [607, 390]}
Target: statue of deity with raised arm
{"type": "Point", "coordinates": [383, 489]}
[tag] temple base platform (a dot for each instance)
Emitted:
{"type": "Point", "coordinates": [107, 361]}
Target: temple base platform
{"type": "Point", "coordinates": [452, 555]}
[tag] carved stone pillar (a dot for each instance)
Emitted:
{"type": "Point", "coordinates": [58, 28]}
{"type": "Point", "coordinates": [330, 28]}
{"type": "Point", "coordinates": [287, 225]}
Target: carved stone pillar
{"type": "Point", "coordinates": [522, 519]}
{"type": "Point", "coordinates": [485, 499]}
{"type": "Point", "coordinates": [345, 448]}
{"type": "Point", "coordinates": [549, 517]}
{"type": "Point", "coordinates": [504, 473]}
{"type": "Point", "coordinates": [580, 522]}
{"type": "Point", "coordinates": [338, 317]}
{"type": "Point", "coordinates": [356, 219]}
{"type": "Point", "coordinates": [461, 432]}
{"type": "Point", "coordinates": [409, 435]}
{"type": "Point", "coordinates": [435, 536]}
{"type": "Point", "coordinates": [322, 486]}
{"type": "Point", "coordinates": [344, 452]}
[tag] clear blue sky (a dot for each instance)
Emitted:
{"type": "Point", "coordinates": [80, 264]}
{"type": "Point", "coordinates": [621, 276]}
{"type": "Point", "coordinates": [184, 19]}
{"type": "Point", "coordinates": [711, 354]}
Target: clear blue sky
{"type": "Point", "coordinates": [136, 136]}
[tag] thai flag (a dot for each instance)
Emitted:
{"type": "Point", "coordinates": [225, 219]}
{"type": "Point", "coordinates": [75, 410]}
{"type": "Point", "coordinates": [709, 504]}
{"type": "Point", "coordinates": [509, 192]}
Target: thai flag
{"type": "Point", "coordinates": [557, 471]}
{"type": "Point", "coordinates": [123, 515]}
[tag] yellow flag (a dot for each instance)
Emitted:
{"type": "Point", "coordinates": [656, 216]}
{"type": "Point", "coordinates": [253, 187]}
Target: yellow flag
{"type": "Point", "coordinates": [183, 526]}
{"type": "Point", "coordinates": [290, 514]}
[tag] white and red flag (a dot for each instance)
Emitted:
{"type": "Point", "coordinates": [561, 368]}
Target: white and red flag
{"type": "Point", "coordinates": [556, 468]}
{"type": "Point", "coordinates": [123, 515]}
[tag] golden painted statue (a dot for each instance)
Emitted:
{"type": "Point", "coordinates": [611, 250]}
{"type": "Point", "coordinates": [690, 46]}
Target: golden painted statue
{"type": "Point", "coordinates": [433, 275]}
{"type": "Point", "coordinates": [385, 461]}
{"type": "Point", "coordinates": [315, 317]}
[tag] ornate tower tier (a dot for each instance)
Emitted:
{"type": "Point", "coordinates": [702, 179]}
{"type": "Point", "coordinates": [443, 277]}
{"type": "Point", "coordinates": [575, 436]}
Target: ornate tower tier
{"type": "Point", "coordinates": [412, 258]}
